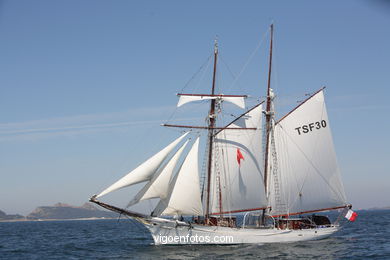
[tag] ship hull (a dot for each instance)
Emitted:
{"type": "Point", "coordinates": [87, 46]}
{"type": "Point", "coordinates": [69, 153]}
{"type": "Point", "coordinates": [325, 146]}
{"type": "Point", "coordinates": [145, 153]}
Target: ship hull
{"type": "Point", "coordinates": [172, 232]}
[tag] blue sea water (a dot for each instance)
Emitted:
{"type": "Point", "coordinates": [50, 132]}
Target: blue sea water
{"type": "Point", "coordinates": [367, 238]}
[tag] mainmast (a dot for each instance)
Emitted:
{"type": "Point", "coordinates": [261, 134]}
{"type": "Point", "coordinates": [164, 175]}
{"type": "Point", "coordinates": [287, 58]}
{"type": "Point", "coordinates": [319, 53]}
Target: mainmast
{"type": "Point", "coordinates": [268, 115]}
{"type": "Point", "coordinates": [212, 119]}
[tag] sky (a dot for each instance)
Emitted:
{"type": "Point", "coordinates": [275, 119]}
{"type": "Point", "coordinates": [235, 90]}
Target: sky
{"type": "Point", "coordinates": [85, 85]}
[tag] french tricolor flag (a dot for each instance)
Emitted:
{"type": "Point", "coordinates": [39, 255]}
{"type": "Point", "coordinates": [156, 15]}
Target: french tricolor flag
{"type": "Point", "coordinates": [351, 215]}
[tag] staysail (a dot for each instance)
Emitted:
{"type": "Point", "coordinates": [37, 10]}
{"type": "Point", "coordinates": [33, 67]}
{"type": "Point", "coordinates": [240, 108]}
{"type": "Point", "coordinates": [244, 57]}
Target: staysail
{"type": "Point", "coordinates": [158, 186]}
{"type": "Point", "coordinates": [184, 195]}
{"type": "Point", "coordinates": [309, 177]}
{"type": "Point", "coordinates": [145, 171]}
{"type": "Point", "coordinates": [237, 168]}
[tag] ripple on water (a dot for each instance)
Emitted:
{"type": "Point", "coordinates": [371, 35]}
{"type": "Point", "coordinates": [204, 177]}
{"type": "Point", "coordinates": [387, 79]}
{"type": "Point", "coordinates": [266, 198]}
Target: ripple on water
{"type": "Point", "coordinates": [368, 237]}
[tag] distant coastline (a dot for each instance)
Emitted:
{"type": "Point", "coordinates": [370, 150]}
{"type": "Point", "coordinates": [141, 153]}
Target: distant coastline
{"type": "Point", "coordinates": [61, 212]}
{"type": "Point", "coordinates": [377, 208]}
{"type": "Point", "coordinates": [44, 220]}
{"type": "Point", "coordinates": [66, 212]}
{"type": "Point", "coordinates": [41, 220]}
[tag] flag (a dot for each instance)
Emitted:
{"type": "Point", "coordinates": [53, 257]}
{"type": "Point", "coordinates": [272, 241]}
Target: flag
{"type": "Point", "coordinates": [239, 156]}
{"type": "Point", "coordinates": [351, 215]}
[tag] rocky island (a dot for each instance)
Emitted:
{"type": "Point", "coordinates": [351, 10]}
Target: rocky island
{"type": "Point", "coordinates": [65, 211]}
{"type": "Point", "coordinates": [4, 216]}
{"type": "Point", "coordinates": [61, 211]}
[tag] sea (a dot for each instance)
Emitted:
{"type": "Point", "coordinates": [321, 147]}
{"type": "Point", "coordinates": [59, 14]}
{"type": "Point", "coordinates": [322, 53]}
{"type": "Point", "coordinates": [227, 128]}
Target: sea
{"type": "Point", "coordinates": [366, 238]}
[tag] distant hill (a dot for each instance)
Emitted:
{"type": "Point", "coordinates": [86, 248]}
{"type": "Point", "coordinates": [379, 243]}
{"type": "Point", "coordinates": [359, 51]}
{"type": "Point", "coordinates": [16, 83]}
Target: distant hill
{"type": "Point", "coordinates": [65, 211]}
{"type": "Point", "coordinates": [4, 216]}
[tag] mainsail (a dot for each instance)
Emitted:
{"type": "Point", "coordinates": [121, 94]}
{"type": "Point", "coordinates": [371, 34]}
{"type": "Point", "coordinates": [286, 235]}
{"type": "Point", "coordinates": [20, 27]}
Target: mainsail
{"type": "Point", "coordinates": [145, 171]}
{"type": "Point", "coordinates": [184, 195]}
{"type": "Point", "coordinates": [309, 177]}
{"type": "Point", "coordinates": [237, 185]}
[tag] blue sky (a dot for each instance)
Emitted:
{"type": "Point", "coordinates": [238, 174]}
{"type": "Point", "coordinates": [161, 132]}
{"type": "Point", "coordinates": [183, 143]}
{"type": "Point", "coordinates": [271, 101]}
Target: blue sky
{"type": "Point", "coordinates": [84, 85]}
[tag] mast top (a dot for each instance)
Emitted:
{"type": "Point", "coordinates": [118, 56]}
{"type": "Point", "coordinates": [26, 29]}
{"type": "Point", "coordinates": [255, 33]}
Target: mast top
{"type": "Point", "coordinates": [216, 45]}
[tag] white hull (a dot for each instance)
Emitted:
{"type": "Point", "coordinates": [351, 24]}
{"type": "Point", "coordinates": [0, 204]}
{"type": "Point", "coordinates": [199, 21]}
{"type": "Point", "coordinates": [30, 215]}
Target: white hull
{"type": "Point", "coordinates": [175, 232]}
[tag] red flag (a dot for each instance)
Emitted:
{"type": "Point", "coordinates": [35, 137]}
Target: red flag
{"type": "Point", "coordinates": [239, 156]}
{"type": "Point", "coordinates": [351, 215]}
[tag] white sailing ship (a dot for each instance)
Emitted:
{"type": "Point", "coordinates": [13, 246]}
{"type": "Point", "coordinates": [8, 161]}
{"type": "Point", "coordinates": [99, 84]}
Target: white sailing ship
{"type": "Point", "coordinates": [274, 174]}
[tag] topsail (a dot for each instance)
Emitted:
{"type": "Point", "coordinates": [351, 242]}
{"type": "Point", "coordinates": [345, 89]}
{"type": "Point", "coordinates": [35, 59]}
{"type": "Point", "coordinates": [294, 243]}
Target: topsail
{"type": "Point", "coordinates": [236, 100]}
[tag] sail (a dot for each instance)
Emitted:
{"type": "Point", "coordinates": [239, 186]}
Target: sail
{"type": "Point", "coordinates": [145, 170]}
{"type": "Point", "coordinates": [309, 177]}
{"type": "Point", "coordinates": [158, 187]}
{"type": "Point", "coordinates": [236, 100]}
{"type": "Point", "coordinates": [184, 195]}
{"type": "Point", "coordinates": [237, 177]}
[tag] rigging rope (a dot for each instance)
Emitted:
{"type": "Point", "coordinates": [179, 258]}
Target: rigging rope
{"type": "Point", "coordinates": [206, 63]}
{"type": "Point", "coordinates": [248, 60]}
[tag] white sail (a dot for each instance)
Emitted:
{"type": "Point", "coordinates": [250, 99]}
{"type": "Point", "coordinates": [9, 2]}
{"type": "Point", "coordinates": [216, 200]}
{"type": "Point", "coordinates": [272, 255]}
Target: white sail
{"type": "Point", "coordinates": [184, 197]}
{"type": "Point", "coordinates": [309, 177]}
{"type": "Point", "coordinates": [238, 101]}
{"type": "Point", "coordinates": [240, 184]}
{"type": "Point", "coordinates": [158, 186]}
{"type": "Point", "coordinates": [144, 171]}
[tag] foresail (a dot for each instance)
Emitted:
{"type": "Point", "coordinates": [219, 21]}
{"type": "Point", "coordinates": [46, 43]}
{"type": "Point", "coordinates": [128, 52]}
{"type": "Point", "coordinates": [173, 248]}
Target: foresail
{"type": "Point", "coordinates": [184, 195]}
{"type": "Point", "coordinates": [158, 186]}
{"type": "Point", "coordinates": [237, 171]}
{"type": "Point", "coordinates": [145, 171]}
{"type": "Point", "coordinates": [309, 177]}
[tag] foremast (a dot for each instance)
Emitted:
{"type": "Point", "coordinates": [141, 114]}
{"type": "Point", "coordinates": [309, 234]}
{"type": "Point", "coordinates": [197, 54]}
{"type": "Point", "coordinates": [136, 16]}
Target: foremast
{"type": "Point", "coordinates": [212, 128]}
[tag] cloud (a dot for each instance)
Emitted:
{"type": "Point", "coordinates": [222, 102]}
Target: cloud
{"type": "Point", "coordinates": [361, 108]}
{"type": "Point", "coordinates": [75, 127]}
{"type": "Point", "coordinates": [88, 118]}
{"type": "Point", "coordinates": [83, 124]}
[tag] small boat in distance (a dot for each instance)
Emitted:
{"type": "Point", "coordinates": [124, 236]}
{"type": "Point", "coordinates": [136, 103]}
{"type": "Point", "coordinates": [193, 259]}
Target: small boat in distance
{"type": "Point", "coordinates": [275, 173]}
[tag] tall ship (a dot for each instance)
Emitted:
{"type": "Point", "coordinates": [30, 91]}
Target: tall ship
{"type": "Point", "coordinates": [266, 180]}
